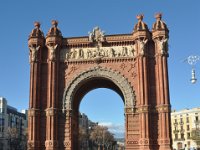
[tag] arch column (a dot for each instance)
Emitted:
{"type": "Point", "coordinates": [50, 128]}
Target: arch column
{"type": "Point", "coordinates": [53, 43]}
{"type": "Point", "coordinates": [163, 104]}
{"type": "Point", "coordinates": [35, 43]}
{"type": "Point", "coordinates": [132, 129]}
{"type": "Point", "coordinates": [143, 94]}
{"type": "Point", "coordinates": [142, 35]}
{"type": "Point", "coordinates": [34, 111]}
{"type": "Point", "coordinates": [68, 131]}
{"type": "Point", "coordinates": [143, 109]}
{"type": "Point", "coordinates": [160, 38]}
{"type": "Point", "coordinates": [51, 142]}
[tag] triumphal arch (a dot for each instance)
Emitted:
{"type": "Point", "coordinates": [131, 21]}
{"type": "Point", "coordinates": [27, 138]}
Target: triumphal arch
{"type": "Point", "coordinates": [63, 70]}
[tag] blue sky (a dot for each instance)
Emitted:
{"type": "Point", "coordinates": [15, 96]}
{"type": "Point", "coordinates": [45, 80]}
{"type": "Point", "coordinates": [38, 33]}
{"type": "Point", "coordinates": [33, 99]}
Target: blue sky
{"type": "Point", "coordinates": [76, 18]}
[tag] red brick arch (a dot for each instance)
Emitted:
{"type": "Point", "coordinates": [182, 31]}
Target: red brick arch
{"type": "Point", "coordinates": [63, 70]}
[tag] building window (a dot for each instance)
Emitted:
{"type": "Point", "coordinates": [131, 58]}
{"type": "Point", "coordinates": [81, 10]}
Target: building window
{"type": "Point", "coordinates": [187, 119]}
{"type": "Point", "coordinates": [179, 145]}
{"type": "Point", "coordinates": [1, 129]}
{"type": "Point", "coordinates": [175, 128]}
{"type": "Point", "coordinates": [188, 135]}
{"type": "Point", "coordinates": [176, 136]}
{"type": "Point", "coordinates": [1, 145]}
{"type": "Point", "coordinates": [1, 121]}
{"type": "Point", "coordinates": [188, 143]}
{"type": "Point", "coordinates": [182, 136]}
{"type": "Point", "coordinates": [181, 120]}
{"type": "Point", "coordinates": [175, 120]}
{"type": "Point", "coordinates": [196, 118]}
{"type": "Point", "coordinates": [181, 127]}
{"type": "Point", "coordinates": [188, 127]}
{"type": "Point", "coordinates": [197, 126]}
{"type": "Point", "coordinates": [2, 110]}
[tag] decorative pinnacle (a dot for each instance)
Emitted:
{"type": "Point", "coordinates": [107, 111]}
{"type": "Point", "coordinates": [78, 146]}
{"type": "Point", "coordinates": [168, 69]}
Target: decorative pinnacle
{"type": "Point", "coordinates": [140, 17]}
{"type": "Point", "coordinates": [54, 23]}
{"type": "Point", "coordinates": [37, 24]}
{"type": "Point", "coordinates": [158, 16]}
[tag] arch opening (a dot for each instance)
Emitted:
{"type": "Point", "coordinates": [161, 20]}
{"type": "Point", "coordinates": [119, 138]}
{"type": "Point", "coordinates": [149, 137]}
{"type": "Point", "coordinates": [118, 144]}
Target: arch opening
{"type": "Point", "coordinates": [86, 81]}
{"type": "Point", "coordinates": [92, 84]}
{"type": "Point", "coordinates": [82, 90]}
{"type": "Point", "coordinates": [101, 108]}
{"type": "Point", "coordinates": [96, 78]}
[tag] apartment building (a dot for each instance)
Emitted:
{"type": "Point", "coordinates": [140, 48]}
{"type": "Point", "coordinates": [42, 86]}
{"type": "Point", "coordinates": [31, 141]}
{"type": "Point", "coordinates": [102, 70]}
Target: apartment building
{"type": "Point", "coordinates": [183, 122]}
{"type": "Point", "coordinates": [11, 121]}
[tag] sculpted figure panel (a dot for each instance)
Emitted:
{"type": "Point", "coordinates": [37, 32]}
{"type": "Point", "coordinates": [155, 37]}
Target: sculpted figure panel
{"type": "Point", "coordinates": [98, 52]}
{"type": "Point", "coordinates": [162, 45]}
{"type": "Point", "coordinates": [52, 50]}
{"type": "Point", "coordinates": [142, 46]}
{"type": "Point", "coordinates": [33, 53]}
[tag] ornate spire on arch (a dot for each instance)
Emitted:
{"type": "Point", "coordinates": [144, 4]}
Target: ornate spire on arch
{"type": "Point", "coordinates": [54, 30]}
{"type": "Point", "coordinates": [36, 32]}
{"type": "Point", "coordinates": [159, 24]}
{"type": "Point", "coordinates": [54, 35]}
{"type": "Point", "coordinates": [140, 26]}
{"type": "Point", "coordinates": [160, 34]}
{"type": "Point", "coordinates": [35, 42]}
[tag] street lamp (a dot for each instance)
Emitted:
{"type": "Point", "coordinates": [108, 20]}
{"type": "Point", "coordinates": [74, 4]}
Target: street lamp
{"type": "Point", "coordinates": [192, 60]}
{"type": "Point", "coordinates": [193, 78]}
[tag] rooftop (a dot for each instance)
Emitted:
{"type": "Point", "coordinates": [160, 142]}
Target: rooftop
{"type": "Point", "coordinates": [186, 111]}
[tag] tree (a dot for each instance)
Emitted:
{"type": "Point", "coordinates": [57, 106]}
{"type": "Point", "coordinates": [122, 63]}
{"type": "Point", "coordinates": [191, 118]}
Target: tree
{"type": "Point", "coordinates": [109, 139]}
{"type": "Point", "coordinates": [13, 137]}
{"type": "Point", "coordinates": [16, 141]}
{"type": "Point", "coordinates": [83, 138]}
{"type": "Point", "coordinates": [101, 137]}
{"type": "Point", "coordinates": [24, 140]}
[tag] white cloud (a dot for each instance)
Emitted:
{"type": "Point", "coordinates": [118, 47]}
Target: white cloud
{"type": "Point", "coordinates": [116, 129]}
{"type": "Point", "coordinates": [107, 124]}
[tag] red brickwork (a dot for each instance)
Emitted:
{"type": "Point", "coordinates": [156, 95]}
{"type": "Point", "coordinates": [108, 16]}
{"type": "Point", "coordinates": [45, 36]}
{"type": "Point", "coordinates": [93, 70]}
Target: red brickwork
{"type": "Point", "coordinates": [63, 70]}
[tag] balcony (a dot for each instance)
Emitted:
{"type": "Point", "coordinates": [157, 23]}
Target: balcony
{"type": "Point", "coordinates": [175, 131]}
{"type": "Point", "coordinates": [197, 121]}
{"type": "Point", "coordinates": [179, 139]}
{"type": "Point", "coordinates": [181, 123]}
{"type": "Point", "coordinates": [182, 130]}
{"type": "Point", "coordinates": [175, 123]}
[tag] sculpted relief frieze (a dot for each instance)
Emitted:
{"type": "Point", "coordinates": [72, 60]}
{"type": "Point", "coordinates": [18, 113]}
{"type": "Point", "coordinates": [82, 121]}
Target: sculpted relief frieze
{"type": "Point", "coordinates": [97, 52]}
